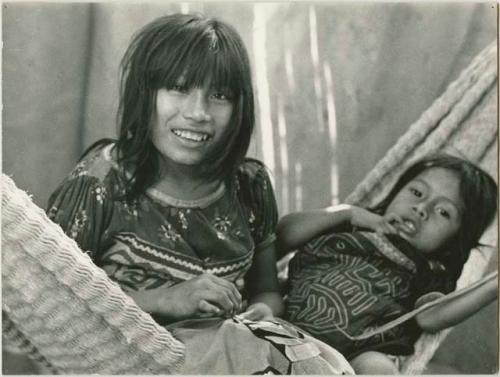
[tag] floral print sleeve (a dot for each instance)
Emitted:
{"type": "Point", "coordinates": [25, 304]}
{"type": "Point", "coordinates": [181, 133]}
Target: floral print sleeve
{"type": "Point", "coordinates": [82, 207]}
{"type": "Point", "coordinates": [257, 195]}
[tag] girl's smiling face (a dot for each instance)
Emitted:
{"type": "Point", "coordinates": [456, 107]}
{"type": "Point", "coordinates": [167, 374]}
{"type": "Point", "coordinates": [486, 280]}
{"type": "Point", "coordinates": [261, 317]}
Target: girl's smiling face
{"type": "Point", "coordinates": [189, 124]}
{"type": "Point", "coordinates": [430, 207]}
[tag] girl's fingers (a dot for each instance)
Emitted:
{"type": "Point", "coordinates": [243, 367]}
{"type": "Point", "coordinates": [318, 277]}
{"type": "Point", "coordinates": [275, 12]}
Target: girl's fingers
{"type": "Point", "coordinates": [229, 288]}
{"type": "Point", "coordinates": [257, 312]}
{"type": "Point", "coordinates": [208, 308]}
{"type": "Point", "coordinates": [386, 228]}
{"type": "Point", "coordinates": [393, 219]}
{"type": "Point", "coordinates": [250, 315]}
{"type": "Point", "coordinates": [219, 297]}
{"type": "Point", "coordinates": [228, 285]}
{"type": "Point", "coordinates": [396, 223]}
{"type": "Point", "coordinates": [391, 229]}
{"type": "Point", "coordinates": [400, 224]}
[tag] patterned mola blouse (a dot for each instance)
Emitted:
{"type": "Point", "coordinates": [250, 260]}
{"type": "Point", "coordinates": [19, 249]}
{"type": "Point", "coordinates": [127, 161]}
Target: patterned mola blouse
{"type": "Point", "coordinates": [158, 240]}
{"type": "Point", "coordinates": [344, 284]}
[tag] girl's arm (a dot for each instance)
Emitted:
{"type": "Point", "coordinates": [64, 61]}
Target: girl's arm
{"type": "Point", "coordinates": [262, 281]}
{"type": "Point", "coordinates": [459, 308]}
{"type": "Point", "coordinates": [296, 229]}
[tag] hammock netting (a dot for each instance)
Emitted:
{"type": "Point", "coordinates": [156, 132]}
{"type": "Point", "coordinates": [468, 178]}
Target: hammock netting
{"type": "Point", "coordinates": [63, 311]}
{"type": "Point", "coordinates": [66, 314]}
{"type": "Point", "coordinates": [463, 121]}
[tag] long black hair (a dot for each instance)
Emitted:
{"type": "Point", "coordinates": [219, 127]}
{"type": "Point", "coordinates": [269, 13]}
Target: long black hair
{"type": "Point", "coordinates": [200, 50]}
{"type": "Point", "coordinates": [478, 191]}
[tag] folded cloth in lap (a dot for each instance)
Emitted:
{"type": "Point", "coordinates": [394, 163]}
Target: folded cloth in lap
{"type": "Point", "coordinates": [236, 346]}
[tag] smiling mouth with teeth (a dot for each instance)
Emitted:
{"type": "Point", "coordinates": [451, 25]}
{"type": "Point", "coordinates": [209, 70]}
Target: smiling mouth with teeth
{"type": "Point", "coordinates": [410, 225]}
{"type": "Point", "coordinates": [191, 135]}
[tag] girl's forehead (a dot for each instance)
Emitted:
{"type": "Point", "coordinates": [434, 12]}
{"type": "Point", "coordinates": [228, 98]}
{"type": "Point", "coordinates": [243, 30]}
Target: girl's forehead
{"type": "Point", "coordinates": [443, 182]}
{"type": "Point", "coordinates": [439, 176]}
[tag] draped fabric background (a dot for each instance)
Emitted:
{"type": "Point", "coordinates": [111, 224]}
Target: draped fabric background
{"type": "Point", "coordinates": [336, 85]}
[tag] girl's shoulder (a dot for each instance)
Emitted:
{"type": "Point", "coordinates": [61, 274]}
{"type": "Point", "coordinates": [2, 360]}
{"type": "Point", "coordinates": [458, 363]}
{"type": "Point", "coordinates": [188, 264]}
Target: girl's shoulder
{"type": "Point", "coordinates": [252, 170]}
{"type": "Point", "coordinates": [97, 162]}
{"type": "Point", "coordinates": [253, 180]}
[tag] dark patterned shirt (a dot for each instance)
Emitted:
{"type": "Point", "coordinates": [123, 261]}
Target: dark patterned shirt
{"type": "Point", "coordinates": [159, 240]}
{"type": "Point", "coordinates": [344, 284]}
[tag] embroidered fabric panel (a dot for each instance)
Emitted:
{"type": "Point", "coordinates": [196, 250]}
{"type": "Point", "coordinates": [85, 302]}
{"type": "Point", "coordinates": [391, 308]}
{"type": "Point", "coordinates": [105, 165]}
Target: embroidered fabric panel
{"type": "Point", "coordinates": [137, 264]}
{"type": "Point", "coordinates": [341, 286]}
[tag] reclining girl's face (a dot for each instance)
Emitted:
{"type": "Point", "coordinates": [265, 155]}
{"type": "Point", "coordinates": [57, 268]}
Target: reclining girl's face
{"type": "Point", "coordinates": [189, 124]}
{"type": "Point", "coordinates": [430, 207]}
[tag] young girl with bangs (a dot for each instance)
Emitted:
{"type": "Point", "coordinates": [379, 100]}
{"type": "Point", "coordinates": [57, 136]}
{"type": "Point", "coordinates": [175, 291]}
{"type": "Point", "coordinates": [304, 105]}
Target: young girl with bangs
{"type": "Point", "coordinates": [175, 213]}
{"type": "Point", "coordinates": [358, 269]}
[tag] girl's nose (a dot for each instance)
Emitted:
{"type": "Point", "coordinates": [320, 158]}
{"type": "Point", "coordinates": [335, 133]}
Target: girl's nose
{"type": "Point", "coordinates": [196, 106]}
{"type": "Point", "coordinates": [421, 210]}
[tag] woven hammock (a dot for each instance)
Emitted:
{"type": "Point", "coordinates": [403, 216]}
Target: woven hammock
{"type": "Point", "coordinates": [463, 121]}
{"type": "Point", "coordinates": [64, 312]}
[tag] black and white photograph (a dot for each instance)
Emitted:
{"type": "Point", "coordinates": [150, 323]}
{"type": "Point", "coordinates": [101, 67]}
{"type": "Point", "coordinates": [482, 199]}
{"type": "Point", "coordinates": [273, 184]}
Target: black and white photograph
{"type": "Point", "coordinates": [237, 188]}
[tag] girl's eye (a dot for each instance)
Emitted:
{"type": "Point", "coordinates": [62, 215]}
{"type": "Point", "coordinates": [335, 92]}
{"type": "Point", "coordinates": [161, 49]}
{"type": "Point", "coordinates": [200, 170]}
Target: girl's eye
{"type": "Point", "coordinates": [444, 213]}
{"type": "Point", "coordinates": [179, 88]}
{"type": "Point", "coordinates": [221, 96]}
{"type": "Point", "coordinates": [416, 192]}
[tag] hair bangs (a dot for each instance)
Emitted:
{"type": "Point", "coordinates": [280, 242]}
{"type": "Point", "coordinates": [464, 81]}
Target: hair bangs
{"type": "Point", "coordinates": [196, 60]}
{"type": "Point", "coordinates": [226, 71]}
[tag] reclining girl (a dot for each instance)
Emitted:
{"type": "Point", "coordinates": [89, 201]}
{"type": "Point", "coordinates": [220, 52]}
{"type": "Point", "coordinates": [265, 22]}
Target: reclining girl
{"type": "Point", "coordinates": [357, 269]}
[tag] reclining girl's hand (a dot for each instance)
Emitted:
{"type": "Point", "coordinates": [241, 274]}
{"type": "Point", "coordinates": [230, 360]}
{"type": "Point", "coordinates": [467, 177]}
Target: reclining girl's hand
{"type": "Point", "coordinates": [363, 218]}
{"type": "Point", "coordinates": [388, 224]}
{"type": "Point", "coordinates": [392, 224]}
{"type": "Point", "coordinates": [296, 229]}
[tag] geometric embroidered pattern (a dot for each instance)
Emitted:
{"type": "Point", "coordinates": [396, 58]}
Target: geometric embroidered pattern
{"type": "Point", "coordinates": [342, 285]}
{"type": "Point", "coordinates": [129, 250]}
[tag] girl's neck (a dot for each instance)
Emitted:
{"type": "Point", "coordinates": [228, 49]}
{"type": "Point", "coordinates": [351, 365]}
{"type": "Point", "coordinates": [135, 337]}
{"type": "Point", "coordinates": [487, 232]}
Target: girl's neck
{"type": "Point", "coordinates": [186, 183]}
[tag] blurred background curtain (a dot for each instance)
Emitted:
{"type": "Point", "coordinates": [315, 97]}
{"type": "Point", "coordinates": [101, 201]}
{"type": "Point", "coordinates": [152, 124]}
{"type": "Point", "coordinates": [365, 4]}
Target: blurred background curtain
{"type": "Point", "coordinates": [336, 85]}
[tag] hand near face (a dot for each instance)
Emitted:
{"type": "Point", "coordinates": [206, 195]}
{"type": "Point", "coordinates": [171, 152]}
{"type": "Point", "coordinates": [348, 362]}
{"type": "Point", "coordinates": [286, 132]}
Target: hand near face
{"type": "Point", "coordinates": [363, 218]}
{"type": "Point", "coordinates": [390, 223]}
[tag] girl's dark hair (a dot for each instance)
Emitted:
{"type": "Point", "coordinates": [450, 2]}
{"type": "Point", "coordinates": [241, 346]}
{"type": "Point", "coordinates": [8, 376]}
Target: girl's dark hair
{"type": "Point", "coordinates": [478, 192]}
{"type": "Point", "coordinates": [202, 51]}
